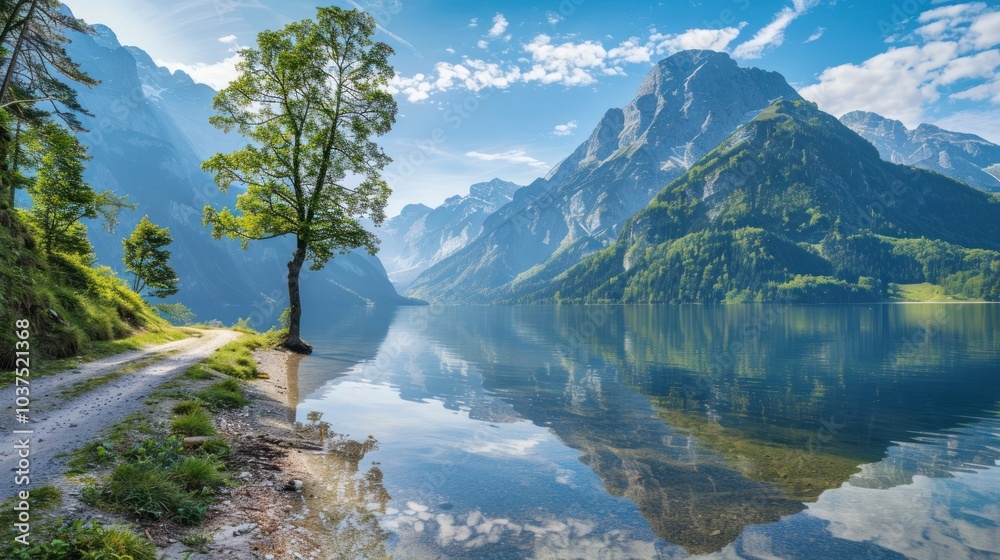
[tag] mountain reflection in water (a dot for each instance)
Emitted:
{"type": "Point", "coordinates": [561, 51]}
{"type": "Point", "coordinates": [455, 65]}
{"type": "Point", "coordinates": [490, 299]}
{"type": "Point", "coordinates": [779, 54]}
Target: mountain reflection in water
{"type": "Point", "coordinates": [663, 431]}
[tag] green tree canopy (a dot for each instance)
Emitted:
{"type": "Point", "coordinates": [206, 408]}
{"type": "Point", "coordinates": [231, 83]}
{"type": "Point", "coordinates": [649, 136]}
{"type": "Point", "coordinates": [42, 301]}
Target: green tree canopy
{"type": "Point", "coordinates": [35, 71]}
{"type": "Point", "coordinates": [310, 99]}
{"type": "Point", "coordinates": [60, 197]}
{"type": "Point", "coordinates": [146, 256]}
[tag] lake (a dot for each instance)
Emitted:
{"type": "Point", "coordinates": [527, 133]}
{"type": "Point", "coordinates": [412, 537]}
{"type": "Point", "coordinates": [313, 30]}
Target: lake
{"type": "Point", "coordinates": [769, 431]}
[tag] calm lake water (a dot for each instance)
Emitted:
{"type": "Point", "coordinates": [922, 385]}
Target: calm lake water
{"type": "Point", "coordinates": [660, 431]}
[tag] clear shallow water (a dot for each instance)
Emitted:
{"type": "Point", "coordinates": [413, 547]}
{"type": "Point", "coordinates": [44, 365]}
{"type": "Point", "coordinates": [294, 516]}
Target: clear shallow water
{"type": "Point", "coordinates": [665, 431]}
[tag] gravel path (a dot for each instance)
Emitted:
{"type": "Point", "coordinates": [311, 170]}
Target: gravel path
{"type": "Point", "coordinates": [64, 425]}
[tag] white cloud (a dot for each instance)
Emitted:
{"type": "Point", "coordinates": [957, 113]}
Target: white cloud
{"type": "Point", "coordinates": [631, 51]}
{"type": "Point", "coordinates": [511, 156]}
{"type": "Point", "coordinates": [553, 18]}
{"type": "Point", "coordinates": [564, 129]}
{"type": "Point", "coordinates": [474, 22]}
{"type": "Point", "coordinates": [217, 75]}
{"type": "Point", "coordinates": [483, 44]}
{"type": "Point", "coordinates": [228, 39]}
{"type": "Point", "coordinates": [901, 83]}
{"type": "Point", "coordinates": [499, 26]}
{"type": "Point", "coordinates": [773, 34]}
{"type": "Point", "coordinates": [570, 64]}
{"type": "Point", "coordinates": [985, 123]}
{"type": "Point", "coordinates": [896, 83]}
{"type": "Point", "coordinates": [703, 39]}
{"type": "Point", "coordinates": [449, 50]}
{"type": "Point", "coordinates": [816, 35]}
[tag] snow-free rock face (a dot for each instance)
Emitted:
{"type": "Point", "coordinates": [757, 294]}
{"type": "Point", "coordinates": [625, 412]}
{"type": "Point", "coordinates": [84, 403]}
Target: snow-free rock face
{"type": "Point", "coordinates": [964, 157]}
{"type": "Point", "coordinates": [148, 138]}
{"type": "Point", "coordinates": [420, 236]}
{"type": "Point", "coordinates": [686, 105]}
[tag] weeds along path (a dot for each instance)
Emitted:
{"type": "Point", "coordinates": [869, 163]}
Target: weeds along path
{"type": "Point", "coordinates": [67, 412]}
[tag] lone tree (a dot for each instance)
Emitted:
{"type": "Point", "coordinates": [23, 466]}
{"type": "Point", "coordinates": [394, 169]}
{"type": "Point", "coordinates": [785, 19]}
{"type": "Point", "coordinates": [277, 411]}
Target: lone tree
{"type": "Point", "coordinates": [310, 99]}
{"type": "Point", "coordinates": [147, 258]}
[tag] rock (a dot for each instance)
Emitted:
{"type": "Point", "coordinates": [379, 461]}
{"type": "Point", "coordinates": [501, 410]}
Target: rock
{"type": "Point", "coordinates": [243, 529]}
{"type": "Point", "coordinates": [294, 486]}
{"type": "Point", "coordinates": [715, 533]}
{"type": "Point", "coordinates": [245, 474]}
{"type": "Point", "coordinates": [197, 441]}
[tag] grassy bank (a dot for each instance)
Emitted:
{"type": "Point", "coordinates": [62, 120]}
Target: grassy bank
{"type": "Point", "coordinates": [146, 472]}
{"type": "Point", "coordinates": [67, 304]}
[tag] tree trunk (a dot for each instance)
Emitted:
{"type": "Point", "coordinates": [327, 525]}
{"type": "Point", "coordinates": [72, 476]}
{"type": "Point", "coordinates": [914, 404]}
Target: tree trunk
{"type": "Point", "coordinates": [294, 341]}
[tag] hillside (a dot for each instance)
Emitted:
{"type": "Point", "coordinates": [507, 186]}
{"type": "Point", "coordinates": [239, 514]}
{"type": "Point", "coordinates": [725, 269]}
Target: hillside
{"type": "Point", "coordinates": [795, 206]}
{"type": "Point", "coordinates": [66, 302]}
{"type": "Point", "coordinates": [686, 105]}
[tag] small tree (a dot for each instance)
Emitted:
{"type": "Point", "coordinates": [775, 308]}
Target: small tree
{"type": "Point", "coordinates": [177, 313]}
{"type": "Point", "coordinates": [310, 99]}
{"type": "Point", "coordinates": [147, 258]}
{"type": "Point", "coordinates": [60, 197]}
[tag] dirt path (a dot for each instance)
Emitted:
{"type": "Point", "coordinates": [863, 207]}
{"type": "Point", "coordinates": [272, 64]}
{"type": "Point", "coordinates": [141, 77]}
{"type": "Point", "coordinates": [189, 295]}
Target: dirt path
{"type": "Point", "coordinates": [61, 425]}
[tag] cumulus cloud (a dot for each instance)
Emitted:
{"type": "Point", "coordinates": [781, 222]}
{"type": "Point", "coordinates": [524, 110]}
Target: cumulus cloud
{"type": "Point", "coordinates": [511, 156]}
{"type": "Point", "coordinates": [901, 83]}
{"type": "Point", "coordinates": [499, 26]}
{"type": "Point", "coordinates": [564, 129]}
{"type": "Point", "coordinates": [704, 39]}
{"type": "Point", "coordinates": [216, 75]}
{"type": "Point", "coordinates": [228, 39]}
{"type": "Point", "coordinates": [773, 34]}
{"type": "Point", "coordinates": [474, 22]}
{"type": "Point", "coordinates": [553, 18]}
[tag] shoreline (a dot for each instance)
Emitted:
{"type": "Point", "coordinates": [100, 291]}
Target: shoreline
{"type": "Point", "coordinates": [267, 516]}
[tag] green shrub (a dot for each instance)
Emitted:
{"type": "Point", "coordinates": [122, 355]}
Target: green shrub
{"type": "Point", "coordinates": [196, 474]}
{"type": "Point", "coordinates": [194, 423]}
{"type": "Point", "coordinates": [185, 407]}
{"type": "Point", "coordinates": [225, 394]}
{"type": "Point", "coordinates": [144, 489]}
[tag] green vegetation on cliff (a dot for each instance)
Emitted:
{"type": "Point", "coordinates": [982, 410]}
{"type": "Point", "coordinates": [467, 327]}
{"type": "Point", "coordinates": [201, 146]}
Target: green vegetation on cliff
{"type": "Point", "coordinates": [67, 301]}
{"type": "Point", "coordinates": [795, 207]}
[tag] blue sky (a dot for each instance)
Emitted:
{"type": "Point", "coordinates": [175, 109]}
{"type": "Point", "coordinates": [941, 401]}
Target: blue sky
{"type": "Point", "coordinates": [507, 89]}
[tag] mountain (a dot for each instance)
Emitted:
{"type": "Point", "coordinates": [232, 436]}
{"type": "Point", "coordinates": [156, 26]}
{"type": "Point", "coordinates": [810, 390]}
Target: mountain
{"type": "Point", "coordinates": [420, 236]}
{"type": "Point", "coordinates": [965, 157]}
{"type": "Point", "coordinates": [795, 206]}
{"type": "Point", "coordinates": [148, 139]}
{"type": "Point", "coordinates": [686, 105]}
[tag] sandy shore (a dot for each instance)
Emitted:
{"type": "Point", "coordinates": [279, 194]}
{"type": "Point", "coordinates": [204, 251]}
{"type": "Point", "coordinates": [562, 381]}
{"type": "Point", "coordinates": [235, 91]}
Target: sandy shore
{"type": "Point", "coordinates": [267, 516]}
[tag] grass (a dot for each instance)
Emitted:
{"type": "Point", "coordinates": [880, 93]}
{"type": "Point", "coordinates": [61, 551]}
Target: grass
{"type": "Point", "coordinates": [923, 292]}
{"type": "Point", "coordinates": [197, 474]}
{"type": "Point", "coordinates": [159, 479]}
{"type": "Point", "coordinates": [196, 542]}
{"type": "Point", "coordinates": [236, 359]}
{"type": "Point", "coordinates": [193, 423]}
{"type": "Point", "coordinates": [55, 538]}
{"type": "Point", "coordinates": [186, 407]}
{"type": "Point", "coordinates": [68, 304]}
{"type": "Point", "coordinates": [226, 394]}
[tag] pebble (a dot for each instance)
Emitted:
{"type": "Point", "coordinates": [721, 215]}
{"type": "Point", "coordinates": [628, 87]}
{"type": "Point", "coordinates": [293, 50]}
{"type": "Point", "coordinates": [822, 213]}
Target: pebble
{"type": "Point", "coordinates": [243, 529]}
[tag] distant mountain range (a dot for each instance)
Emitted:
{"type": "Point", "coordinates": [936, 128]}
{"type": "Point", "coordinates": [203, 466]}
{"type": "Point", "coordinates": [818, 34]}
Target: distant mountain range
{"type": "Point", "coordinates": [686, 105]}
{"type": "Point", "coordinates": [148, 139]}
{"type": "Point", "coordinates": [420, 237]}
{"type": "Point", "coordinates": [795, 206]}
{"type": "Point", "coordinates": [591, 230]}
{"type": "Point", "coordinates": [965, 157]}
